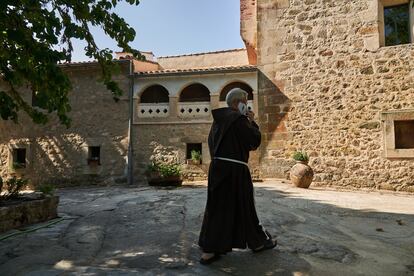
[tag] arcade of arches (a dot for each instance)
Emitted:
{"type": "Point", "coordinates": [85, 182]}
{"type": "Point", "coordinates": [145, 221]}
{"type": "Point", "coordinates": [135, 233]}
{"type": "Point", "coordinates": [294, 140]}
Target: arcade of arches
{"type": "Point", "coordinates": [194, 100]}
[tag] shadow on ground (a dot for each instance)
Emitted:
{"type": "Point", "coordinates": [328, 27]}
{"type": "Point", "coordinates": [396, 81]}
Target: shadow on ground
{"type": "Point", "coordinates": [148, 231]}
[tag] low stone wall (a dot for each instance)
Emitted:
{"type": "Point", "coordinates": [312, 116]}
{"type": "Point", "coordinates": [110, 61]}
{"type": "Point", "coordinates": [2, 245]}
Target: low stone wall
{"type": "Point", "coordinates": [28, 212]}
{"type": "Point", "coordinates": [194, 172]}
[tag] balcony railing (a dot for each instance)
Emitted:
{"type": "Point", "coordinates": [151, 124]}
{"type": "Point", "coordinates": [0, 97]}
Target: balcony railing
{"type": "Point", "coordinates": [184, 109]}
{"type": "Point", "coordinates": [249, 105]}
{"type": "Point", "coordinates": [153, 110]}
{"type": "Point", "coordinates": [194, 109]}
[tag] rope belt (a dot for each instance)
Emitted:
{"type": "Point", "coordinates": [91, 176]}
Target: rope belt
{"type": "Point", "coordinates": [231, 160]}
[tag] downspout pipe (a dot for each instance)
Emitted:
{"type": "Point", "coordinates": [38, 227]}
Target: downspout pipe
{"type": "Point", "coordinates": [130, 168]}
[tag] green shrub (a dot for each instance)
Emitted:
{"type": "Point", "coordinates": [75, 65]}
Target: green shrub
{"type": "Point", "coordinates": [152, 167]}
{"type": "Point", "coordinates": [13, 187]}
{"type": "Point", "coordinates": [195, 155]}
{"type": "Point", "coordinates": [165, 170]}
{"type": "Point", "coordinates": [46, 189]}
{"type": "Point", "coordinates": [300, 156]}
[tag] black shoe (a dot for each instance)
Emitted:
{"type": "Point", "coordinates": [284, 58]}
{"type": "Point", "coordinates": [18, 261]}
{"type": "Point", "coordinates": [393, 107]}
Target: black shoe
{"type": "Point", "coordinates": [268, 244]}
{"type": "Point", "coordinates": [211, 260]}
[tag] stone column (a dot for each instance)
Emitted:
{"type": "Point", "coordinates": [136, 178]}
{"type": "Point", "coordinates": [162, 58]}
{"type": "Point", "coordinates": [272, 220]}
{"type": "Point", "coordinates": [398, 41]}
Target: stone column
{"type": "Point", "coordinates": [174, 107]}
{"type": "Point", "coordinates": [135, 110]}
{"type": "Point", "coordinates": [256, 103]}
{"type": "Point", "coordinates": [214, 100]}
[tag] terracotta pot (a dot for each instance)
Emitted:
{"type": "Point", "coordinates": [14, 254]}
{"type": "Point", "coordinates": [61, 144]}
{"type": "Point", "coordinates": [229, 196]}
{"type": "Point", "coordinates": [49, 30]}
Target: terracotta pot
{"type": "Point", "coordinates": [301, 175]}
{"type": "Point", "coordinates": [153, 175]}
{"type": "Point", "coordinates": [193, 162]}
{"type": "Point", "coordinates": [93, 162]}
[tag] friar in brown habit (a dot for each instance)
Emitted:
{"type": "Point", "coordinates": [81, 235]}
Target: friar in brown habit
{"type": "Point", "coordinates": [230, 219]}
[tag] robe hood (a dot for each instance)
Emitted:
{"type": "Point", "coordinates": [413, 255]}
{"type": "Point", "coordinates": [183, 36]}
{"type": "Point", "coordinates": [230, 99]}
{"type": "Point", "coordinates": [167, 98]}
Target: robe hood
{"type": "Point", "coordinates": [223, 119]}
{"type": "Point", "coordinates": [225, 115]}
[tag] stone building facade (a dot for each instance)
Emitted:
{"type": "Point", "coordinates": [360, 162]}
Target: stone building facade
{"type": "Point", "coordinates": [93, 149]}
{"type": "Point", "coordinates": [172, 102]}
{"type": "Point", "coordinates": [329, 85]}
{"type": "Point", "coordinates": [321, 75]}
{"type": "Point", "coordinates": [173, 106]}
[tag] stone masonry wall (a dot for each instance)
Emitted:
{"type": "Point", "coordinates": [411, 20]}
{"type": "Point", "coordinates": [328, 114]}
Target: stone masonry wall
{"type": "Point", "coordinates": [59, 155]}
{"type": "Point", "coordinates": [167, 143]}
{"type": "Point", "coordinates": [236, 57]}
{"type": "Point", "coordinates": [324, 82]}
{"type": "Point", "coordinates": [248, 28]}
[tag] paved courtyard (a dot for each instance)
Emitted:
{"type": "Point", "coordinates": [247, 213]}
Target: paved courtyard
{"type": "Point", "coordinates": [148, 231]}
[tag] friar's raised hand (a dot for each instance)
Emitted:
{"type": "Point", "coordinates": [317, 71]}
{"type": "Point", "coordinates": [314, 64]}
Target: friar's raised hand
{"type": "Point", "coordinates": [250, 115]}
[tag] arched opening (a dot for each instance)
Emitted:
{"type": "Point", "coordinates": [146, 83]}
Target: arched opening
{"type": "Point", "coordinates": [195, 93]}
{"type": "Point", "coordinates": [154, 102]}
{"type": "Point", "coordinates": [155, 94]}
{"type": "Point", "coordinates": [194, 101]}
{"type": "Point", "coordinates": [240, 85]}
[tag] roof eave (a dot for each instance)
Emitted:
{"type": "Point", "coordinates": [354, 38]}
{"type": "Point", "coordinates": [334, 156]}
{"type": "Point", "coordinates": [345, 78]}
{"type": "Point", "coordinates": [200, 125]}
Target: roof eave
{"type": "Point", "coordinates": [197, 72]}
{"type": "Point", "coordinates": [89, 63]}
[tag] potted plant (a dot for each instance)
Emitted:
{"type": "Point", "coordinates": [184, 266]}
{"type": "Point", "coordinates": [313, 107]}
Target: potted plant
{"type": "Point", "coordinates": [301, 174]}
{"type": "Point", "coordinates": [163, 174]}
{"type": "Point", "coordinates": [93, 161]}
{"type": "Point", "coordinates": [301, 157]}
{"type": "Point", "coordinates": [195, 157]}
{"type": "Point", "coordinates": [18, 165]}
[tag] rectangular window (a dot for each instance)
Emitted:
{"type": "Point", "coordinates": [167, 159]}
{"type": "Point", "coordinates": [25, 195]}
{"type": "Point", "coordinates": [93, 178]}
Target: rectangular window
{"type": "Point", "coordinates": [94, 155]}
{"type": "Point", "coordinates": [19, 158]}
{"type": "Point", "coordinates": [397, 24]}
{"type": "Point", "coordinates": [404, 134]}
{"type": "Point", "coordinates": [398, 129]}
{"type": "Point", "coordinates": [194, 151]}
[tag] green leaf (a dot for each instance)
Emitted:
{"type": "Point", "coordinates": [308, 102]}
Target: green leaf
{"type": "Point", "coordinates": [35, 36]}
{"type": "Point", "coordinates": [8, 108]}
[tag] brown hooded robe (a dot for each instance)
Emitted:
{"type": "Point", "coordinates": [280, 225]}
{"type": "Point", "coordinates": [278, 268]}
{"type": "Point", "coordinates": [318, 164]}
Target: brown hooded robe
{"type": "Point", "coordinates": [230, 219]}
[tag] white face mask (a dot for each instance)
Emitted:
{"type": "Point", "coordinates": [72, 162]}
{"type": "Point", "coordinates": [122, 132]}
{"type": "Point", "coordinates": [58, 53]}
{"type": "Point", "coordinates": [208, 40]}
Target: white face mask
{"type": "Point", "coordinates": [242, 108]}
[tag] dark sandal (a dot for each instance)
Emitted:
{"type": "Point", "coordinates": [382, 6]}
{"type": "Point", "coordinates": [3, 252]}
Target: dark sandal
{"type": "Point", "coordinates": [269, 244]}
{"type": "Point", "coordinates": [211, 260]}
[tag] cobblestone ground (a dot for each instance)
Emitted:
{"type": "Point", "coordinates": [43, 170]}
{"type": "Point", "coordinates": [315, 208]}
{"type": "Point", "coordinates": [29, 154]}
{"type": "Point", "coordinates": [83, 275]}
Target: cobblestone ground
{"type": "Point", "coordinates": [148, 231]}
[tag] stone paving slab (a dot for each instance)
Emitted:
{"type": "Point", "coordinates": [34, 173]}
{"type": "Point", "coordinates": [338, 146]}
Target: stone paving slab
{"type": "Point", "coordinates": [149, 231]}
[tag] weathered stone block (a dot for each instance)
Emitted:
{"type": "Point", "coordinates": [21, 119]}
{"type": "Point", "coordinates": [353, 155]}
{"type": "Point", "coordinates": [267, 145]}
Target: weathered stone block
{"type": "Point", "coordinates": [370, 125]}
{"type": "Point", "coordinates": [369, 70]}
{"type": "Point", "coordinates": [371, 43]}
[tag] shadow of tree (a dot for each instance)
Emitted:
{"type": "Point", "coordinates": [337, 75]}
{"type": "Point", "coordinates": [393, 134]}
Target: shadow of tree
{"type": "Point", "coordinates": [155, 231]}
{"type": "Point", "coordinates": [59, 155]}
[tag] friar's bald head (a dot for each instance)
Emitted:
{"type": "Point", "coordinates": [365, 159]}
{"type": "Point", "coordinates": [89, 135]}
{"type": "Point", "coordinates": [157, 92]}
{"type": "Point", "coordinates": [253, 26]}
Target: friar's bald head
{"type": "Point", "coordinates": [235, 96]}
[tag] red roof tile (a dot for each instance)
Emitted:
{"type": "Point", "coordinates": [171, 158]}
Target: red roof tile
{"type": "Point", "coordinates": [204, 53]}
{"type": "Point", "coordinates": [199, 70]}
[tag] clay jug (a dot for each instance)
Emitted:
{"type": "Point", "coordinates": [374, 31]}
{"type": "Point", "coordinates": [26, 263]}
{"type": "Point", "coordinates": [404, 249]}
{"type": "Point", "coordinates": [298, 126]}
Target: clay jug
{"type": "Point", "coordinates": [301, 174]}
